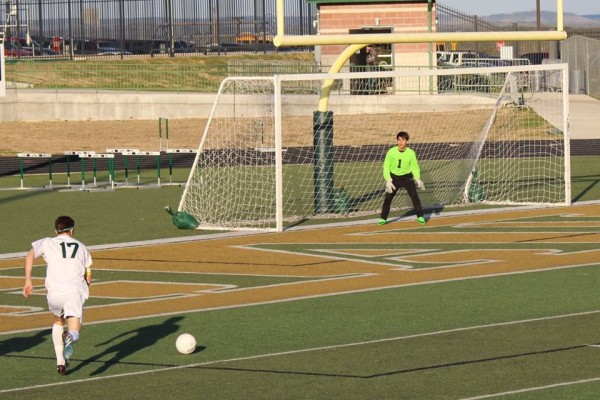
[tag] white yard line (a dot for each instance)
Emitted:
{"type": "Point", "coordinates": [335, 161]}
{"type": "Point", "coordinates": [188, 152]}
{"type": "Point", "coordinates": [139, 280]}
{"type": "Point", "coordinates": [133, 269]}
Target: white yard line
{"type": "Point", "coordinates": [284, 353]}
{"type": "Point", "coordinates": [337, 224]}
{"type": "Point", "coordinates": [532, 389]}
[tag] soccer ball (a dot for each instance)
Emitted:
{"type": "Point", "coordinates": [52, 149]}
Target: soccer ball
{"type": "Point", "coordinates": [185, 343]}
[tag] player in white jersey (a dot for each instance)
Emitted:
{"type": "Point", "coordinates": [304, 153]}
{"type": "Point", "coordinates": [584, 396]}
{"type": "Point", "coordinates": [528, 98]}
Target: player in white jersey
{"type": "Point", "coordinates": [68, 276]}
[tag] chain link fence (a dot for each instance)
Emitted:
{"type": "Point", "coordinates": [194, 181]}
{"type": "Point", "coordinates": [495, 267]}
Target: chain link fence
{"type": "Point", "coordinates": [583, 56]}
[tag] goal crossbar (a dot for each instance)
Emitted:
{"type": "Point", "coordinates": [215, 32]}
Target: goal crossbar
{"type": "Point", "coordinates": [281, 39]}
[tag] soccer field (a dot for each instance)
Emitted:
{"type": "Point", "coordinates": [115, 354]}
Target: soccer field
{"type": "Point", "coordinates": [478, 303]}
{"type": "Point", "coordinates": [488, 304]}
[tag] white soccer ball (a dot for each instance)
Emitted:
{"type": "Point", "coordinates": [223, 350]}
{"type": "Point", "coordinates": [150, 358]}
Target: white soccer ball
{"type": "Point", "coordinates": [185, 343]}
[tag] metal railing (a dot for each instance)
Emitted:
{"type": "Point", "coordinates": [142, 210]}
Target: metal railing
{"type": "Point", "coordinates": [70, 28]}
{"type": "Point", "coordinates": [453, 20]}
{"type": "Point", "coordinates": [69, 31]}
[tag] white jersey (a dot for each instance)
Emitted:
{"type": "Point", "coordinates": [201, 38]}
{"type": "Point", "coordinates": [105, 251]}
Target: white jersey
{"type": "Point", "coordinates": [67, 258]}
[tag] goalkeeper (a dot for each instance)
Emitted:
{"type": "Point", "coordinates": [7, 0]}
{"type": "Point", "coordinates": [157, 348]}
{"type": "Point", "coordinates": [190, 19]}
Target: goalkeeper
{"type": "Point", "coordinates": [401, 169]}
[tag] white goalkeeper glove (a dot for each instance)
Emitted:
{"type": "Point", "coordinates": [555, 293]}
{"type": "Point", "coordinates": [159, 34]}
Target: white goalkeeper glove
{"type": "Point", "coordinates": [420, 184]}
{"type": "Point", "coordinates": [389, 186]}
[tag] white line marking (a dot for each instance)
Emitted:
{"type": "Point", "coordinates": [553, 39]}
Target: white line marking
{"type": "Point", "coordinates": [371, 289]}
{"type": "Point", "coordinates": [339, 346]}
{"type": "Point", "coordinates": [488, 396]}
{"type": "Point", "coordinates": [220, 235]}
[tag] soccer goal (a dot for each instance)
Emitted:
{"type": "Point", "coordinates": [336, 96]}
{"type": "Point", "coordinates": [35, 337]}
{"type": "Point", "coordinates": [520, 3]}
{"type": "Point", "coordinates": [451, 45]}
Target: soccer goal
{"type": "Point", "coordinates": [269, 158]}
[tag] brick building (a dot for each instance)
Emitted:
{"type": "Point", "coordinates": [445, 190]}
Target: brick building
{"type": "Point", "coordinates": [339, 17]}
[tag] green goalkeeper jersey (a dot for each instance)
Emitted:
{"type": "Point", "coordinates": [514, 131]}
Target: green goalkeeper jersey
{"type": "Point", "coordinates": [401, 163]}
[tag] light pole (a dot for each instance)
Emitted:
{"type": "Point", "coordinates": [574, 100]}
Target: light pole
{"type": "Point", "coordinates": [538, 15]}
{"type": "Point", "coordinates": [538, 19]}
{"type": "Point", "coordinates": [170, 30]}
{"type": "Point", "coordinates": [70, 18]}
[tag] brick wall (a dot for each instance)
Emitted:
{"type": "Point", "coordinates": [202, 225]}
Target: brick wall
{"type": "Point", "coordinates": [335, 19]}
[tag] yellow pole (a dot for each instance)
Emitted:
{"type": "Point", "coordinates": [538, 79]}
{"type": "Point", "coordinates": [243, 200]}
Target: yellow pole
{"type": "Point", "coordinates": [423, 37]}
{"type": "Point", "coordinates": [335, 68]}
{"type": "Point", "coordinates": [280, 14]}
{"type": "Point", "coordinates": [560, 15]}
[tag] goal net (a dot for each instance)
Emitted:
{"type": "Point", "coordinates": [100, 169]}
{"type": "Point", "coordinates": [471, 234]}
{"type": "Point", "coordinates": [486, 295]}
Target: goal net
{"type": "Point", "coordinates": [280, 150]}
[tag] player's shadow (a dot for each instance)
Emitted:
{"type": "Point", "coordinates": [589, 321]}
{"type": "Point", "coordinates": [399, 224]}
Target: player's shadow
{"type": "Point", "coordinates": [355, 202]}
{"type": "Point", "coordinates": [128, 343]}
{"type": "Point", "coordinates": [21, 344]}
{"type": "Point", "coordinates": [592, 181]}
{"type": "Point", "coordinates": [427, 213]}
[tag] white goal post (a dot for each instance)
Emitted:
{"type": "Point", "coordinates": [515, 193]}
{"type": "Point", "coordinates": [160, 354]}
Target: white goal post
{"type": "Point", "coordinates": [268, 159]}
{"type": "Point", "coordinates": [2, 71]}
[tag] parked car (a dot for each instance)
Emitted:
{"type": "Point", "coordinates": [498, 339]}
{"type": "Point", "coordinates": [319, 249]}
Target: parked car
{"type": "Point", "coordinates": [11, 49]}
{"type": "Point", "coordinates": [454, 58]}
{"type": "Point", "coordinates": [215, 48]}
{"type": "Point", "coordinates": [181, 46]}
{"type": "Point", "coordinates": [113, 52]}
{"type": "Point", "coordinates": [535, 58]}
{"type": "Point", "coordinates": [29, 47]}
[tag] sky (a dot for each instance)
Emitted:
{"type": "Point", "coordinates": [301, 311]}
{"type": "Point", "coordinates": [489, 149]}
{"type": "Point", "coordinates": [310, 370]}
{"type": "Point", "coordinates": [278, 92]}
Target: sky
{"type": "Point", "coordinates": [489, 7]}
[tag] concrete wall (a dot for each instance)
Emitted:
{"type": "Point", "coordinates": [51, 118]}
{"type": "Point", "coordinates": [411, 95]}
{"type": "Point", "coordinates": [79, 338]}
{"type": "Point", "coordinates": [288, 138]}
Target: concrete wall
{"type": "Point", "coordinates": [33, 105]}
{"type": "Point", "coordinates": [90, 105]}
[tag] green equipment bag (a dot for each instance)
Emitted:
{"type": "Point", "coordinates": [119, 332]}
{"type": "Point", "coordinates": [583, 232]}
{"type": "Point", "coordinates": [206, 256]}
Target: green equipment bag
{"type": "Point", "coordinates": [476, 192]}
{"type": "Point", "coordinates": [341, 200]}
{"type": "Point", "coordinates": [182, 220]}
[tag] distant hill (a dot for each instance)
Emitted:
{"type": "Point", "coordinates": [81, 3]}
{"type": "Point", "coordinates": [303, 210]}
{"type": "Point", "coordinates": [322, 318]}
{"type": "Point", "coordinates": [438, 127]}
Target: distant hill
{"type": "Point", "coordinates": [548, 18]}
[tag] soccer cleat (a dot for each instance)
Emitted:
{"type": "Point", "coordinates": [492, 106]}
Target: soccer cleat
{"type": "Point", "coordinates": [67, 346]}
{"type": "Point", "coordinates": [421, 220]}
{"type": "Point", "coordinates": [61, 369]}
{"type": "Point", "coordinates": [382, 221]}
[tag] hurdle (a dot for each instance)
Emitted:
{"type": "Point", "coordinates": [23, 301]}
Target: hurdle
{"type": "Point", "coordinates": [111, 167]}
{"type": "Point", "coordinates": [148, 153]}
{"type": "Point", "coordinates": [23, 156]}
{"type": "Point", "coordinates": [125, 153]}
{"type": "Point", "coordinates": [81, 154]}
{"type": "Point", "coordinates": [171, 152]}
{"type": "Point", "coordinates": [137, 153]}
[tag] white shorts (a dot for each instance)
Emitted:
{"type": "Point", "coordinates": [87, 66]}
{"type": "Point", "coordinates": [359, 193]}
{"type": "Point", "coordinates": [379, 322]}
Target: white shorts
{"type": "Point", "coordinates": [67, 305]}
